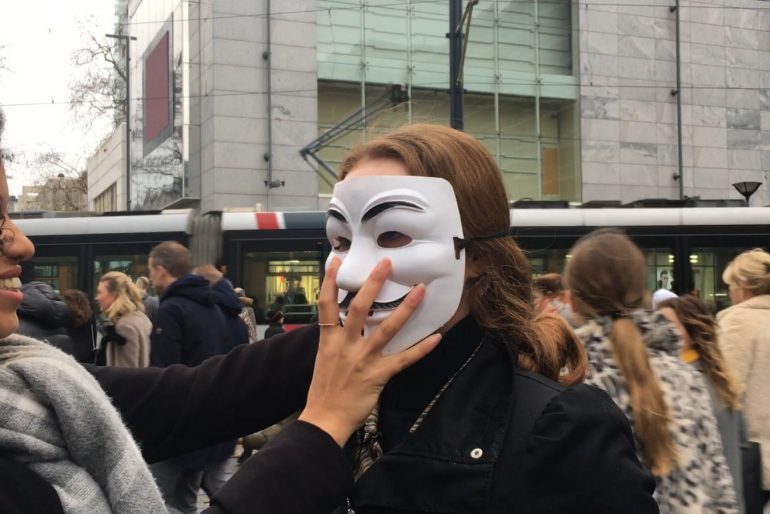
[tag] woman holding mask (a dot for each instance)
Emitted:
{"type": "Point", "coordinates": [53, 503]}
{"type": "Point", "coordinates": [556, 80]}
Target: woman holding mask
{"type": "Point", "coordinates": [481, 424]}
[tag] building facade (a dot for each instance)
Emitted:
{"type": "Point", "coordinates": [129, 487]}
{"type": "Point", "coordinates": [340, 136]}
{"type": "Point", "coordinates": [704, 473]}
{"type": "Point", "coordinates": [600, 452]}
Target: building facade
{"type": "Point", "coordinates": [577, 101]}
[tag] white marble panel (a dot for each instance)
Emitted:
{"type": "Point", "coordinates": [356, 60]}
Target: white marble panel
{"type": "Point", "coordinates": [638, 132]}
{"type": "Point", "coordinates": [709, 116]}
{"type": "Point", "coordinates": [707, 75]}
{"type": "Point", "coordinates": [742, 98]}
{"type": "Point", "coordinates": [601, 192]}
{"type": "Point", "coordinates": [742, 57]}
{"type": "Point", "coordinates": [707, 34]}
{"type": "Point", "coordinates": [601, 43]}
{"type": "Point", "coordinates": [715, 137]}
{"type": "Point", "coordinates": [598, 107]}
{"type": "Point", "coordinates": [638, 153]}
{"type": "Point", "coordinates": [643, 26]}
{"type": "Point", "coordinates": [744, 139]}
{"type": "Point", "coordinates": [630, 67]}
{"type": "Point", "coordinates": [743, 119]}
{"type": "Point", "coordinates": [744, 38]}
{"type": "Point", "coordinates": [705, 157]}
{"type": "Point", "coordinates": [707, 54]}
{"type": "Point", "coordinates": [713, 178]}
{"type": "Point", "coordinates": [600, 173]}
{"type": "Point", "coordinates": [600, 129]}
{"type": "Point", "coordinates": [665, 50]}
{"type": "Point", "coordinates": [635, 110]}
{"type": "Point", "coordinates": [638, 174]}
{"type": "Point", "coordinates": [634, 46]}
{"type": "Point", "coordinates": [598, 151]}
{"type": "Point", "coordinates": [744, 159]}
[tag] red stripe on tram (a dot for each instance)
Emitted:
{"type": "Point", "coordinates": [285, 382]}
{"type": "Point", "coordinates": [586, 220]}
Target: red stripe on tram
{"type": "Point", "coordinates": [267, 221]}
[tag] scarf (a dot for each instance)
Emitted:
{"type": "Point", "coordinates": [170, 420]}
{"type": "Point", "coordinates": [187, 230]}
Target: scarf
{"type": "Point", "coordinates": [55, 418]}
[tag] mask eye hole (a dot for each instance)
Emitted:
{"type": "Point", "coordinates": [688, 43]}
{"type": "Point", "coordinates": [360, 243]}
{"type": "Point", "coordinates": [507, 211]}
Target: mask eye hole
{"type": "Point", "coordinates": [393, 239]}
{"type": "Point", "coordinates": [340, 244]}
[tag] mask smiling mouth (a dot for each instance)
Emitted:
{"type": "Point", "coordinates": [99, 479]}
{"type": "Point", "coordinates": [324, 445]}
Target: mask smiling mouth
{"type": "Point", "coordinates": [376, 306]}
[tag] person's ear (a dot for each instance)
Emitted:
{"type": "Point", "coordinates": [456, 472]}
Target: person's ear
{"type": "Point", "coordinates": [473, 266]}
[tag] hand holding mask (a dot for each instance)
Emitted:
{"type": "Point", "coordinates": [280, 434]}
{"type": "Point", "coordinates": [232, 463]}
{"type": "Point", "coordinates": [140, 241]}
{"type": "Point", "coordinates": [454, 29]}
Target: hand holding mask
{"type": "Point", "coordinates": [350, 369]}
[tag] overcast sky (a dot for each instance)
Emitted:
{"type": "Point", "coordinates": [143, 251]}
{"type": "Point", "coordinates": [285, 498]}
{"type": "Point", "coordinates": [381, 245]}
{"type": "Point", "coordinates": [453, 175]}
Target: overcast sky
{"type": "Point", "coordinates": [39, 37]}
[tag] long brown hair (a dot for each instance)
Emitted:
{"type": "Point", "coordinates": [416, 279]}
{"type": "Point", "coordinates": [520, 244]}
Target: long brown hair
{"type": "Point", "coordinates": [500, 297]}
{"type": "Point", "coordinates": [606, 276]}
{"type": "Point", "coordinates": [80, 308]}
{"type": "Point", "coordinates": [701, 326]}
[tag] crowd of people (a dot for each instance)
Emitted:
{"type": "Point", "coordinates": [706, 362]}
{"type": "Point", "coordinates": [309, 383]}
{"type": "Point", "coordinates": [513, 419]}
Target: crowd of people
{"type": "Point", "coordinates": [440, 375]}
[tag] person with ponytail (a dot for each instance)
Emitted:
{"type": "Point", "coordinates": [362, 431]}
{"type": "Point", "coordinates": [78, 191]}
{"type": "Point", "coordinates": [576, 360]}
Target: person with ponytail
{"type": "Point", "coordinates": [633, 354]}
{"type": "Point", "coordinates": [744, 338]}
{"type": "Point", "coordinates": [494, 419]}
{"type": "Point", "coordinates": [697, 329]}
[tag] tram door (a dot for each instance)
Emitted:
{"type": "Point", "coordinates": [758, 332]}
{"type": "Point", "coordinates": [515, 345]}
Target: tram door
{"type": "Point", "coordinates": [283, 276]}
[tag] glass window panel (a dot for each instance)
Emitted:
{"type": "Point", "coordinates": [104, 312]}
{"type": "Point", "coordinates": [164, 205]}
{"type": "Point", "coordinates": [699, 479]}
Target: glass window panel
{"type": "Point", "coordinates": [707, 266]}
{"type": "Point", "coordinates": [660, 268]}
{"type": "Point", "coordinates": [61, 273]}
{"type": "Point", "coordinates": [285, 281]}
{"type": "Point", "coordinates": [134, 265]}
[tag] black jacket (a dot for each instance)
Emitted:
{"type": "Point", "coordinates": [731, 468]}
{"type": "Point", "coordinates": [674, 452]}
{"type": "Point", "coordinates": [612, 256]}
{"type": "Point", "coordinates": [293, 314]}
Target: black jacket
{"type": "Point", "coordinates": [545, 448]}
{"type": "Point", "coordinates": [228, 301]}
{"type": "Point", "coordinates": [44, 315]}
{"type": "Point", "coordinates": [189, 326]}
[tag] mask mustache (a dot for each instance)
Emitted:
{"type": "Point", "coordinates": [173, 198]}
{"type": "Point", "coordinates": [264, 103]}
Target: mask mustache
{"type": "Point", "coordinates": [376, 306]}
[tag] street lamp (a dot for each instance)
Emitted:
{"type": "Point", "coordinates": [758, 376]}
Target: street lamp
{"type": "Point", "coordinates": [127, 40]}
{"type": "Point", "coordinates": [747, 189]}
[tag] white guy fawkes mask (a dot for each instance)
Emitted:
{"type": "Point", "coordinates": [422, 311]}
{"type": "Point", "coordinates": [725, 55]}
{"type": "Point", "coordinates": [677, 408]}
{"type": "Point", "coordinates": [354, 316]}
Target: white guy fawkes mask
{"type": "Point", "coordinates": [412, 221]}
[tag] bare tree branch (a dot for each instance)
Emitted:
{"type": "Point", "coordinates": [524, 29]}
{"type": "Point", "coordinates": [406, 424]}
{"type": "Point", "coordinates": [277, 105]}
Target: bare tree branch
{"type": "Point", "coordinates": [97, 88]}
{"type": "Point", "coordinates": [3, 62]}
{"type": "Point", "coordinates": [63, 186]}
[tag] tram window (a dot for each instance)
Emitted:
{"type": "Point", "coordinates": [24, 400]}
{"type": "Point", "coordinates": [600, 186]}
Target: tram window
{"type": "Point", "coordinates": [287, 281]}
{"type": "Point", "coordinates": [707, 266]}
{"type": "Point", "coordinates": [61, 273]}
{"type": "Point", "coordinates": [133, 265]}
{"type": "Point", "coordinates": [660, 268]}
{"type": "Point", "coordinates": [547, 261]}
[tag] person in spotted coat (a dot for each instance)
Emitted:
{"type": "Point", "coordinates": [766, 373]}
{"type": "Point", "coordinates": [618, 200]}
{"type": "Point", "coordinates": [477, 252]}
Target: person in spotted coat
{"type": "Point", "coordinates": [633, 355]}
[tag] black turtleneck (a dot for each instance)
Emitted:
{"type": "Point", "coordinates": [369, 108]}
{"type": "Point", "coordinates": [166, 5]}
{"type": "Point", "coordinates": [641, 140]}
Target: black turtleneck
{"type": "Point", "coordinates": [407, 394]}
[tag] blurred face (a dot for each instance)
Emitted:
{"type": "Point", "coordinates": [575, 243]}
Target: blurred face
{"type": "Point", "coordinates": [14, 248]}
{"type": "Point", "coordinates": [159, 277]}
{"type": "Point", "coordinates": [104, 297]}
{"type": "Point", "coordinates": [672, 317]}
{"type": "Point", "coordinates": [378, 212]}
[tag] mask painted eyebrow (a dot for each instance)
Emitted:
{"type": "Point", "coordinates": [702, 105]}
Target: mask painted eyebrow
{"type": "Point", "coordinates": [380, 208]}
{"type": "Point", "coordinates": [334, 213]}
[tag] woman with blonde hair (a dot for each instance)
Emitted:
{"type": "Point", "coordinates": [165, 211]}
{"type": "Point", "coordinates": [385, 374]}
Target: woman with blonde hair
{"type": "Point", "coordinates": [633, 354]}
{"type": "Point", "coordinates": [121, 303]}
{"type": "Point", "coordinates": [744, 337]}
{"type": "Point", "coordinates": [697, 328]}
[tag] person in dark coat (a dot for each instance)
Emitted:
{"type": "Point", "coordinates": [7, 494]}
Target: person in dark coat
{"type": "Point", "coordinates": [190, 326]}
{"type": "Point", "coordinates": [229, 302]}
{"type": "Point", "coordinates": [493, 420]}
{"type": "Point", "coordinates": [44, 315]}
{"type": "Point", "coordinates": [275, 320]}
